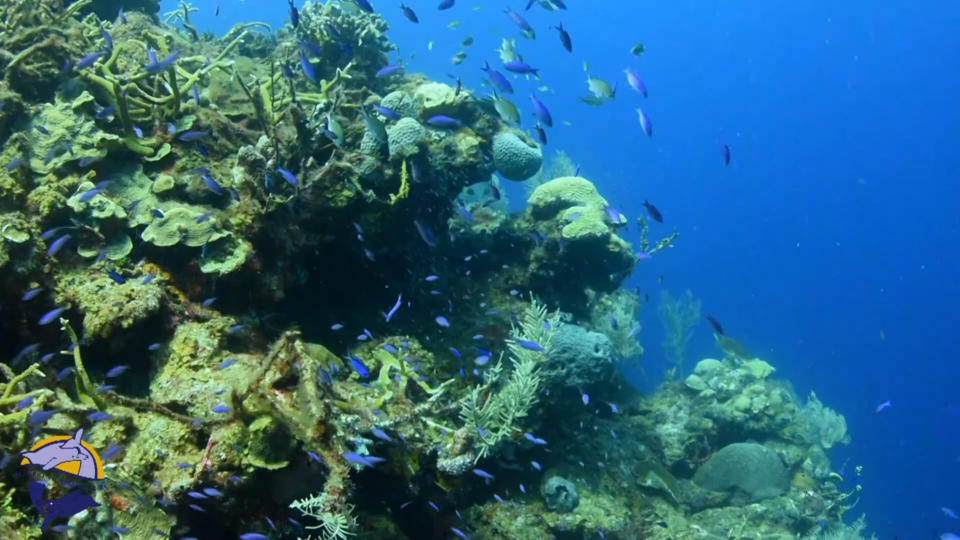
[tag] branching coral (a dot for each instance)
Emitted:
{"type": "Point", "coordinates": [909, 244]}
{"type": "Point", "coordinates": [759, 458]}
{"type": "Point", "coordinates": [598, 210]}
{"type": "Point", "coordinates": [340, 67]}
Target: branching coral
{"type": "Point", "coordinates": [333, 523]}
{"type": "Point", "coordinates": [492, 413]}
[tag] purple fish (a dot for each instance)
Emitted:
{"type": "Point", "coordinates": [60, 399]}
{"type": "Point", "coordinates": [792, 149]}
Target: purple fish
{"type": "Point", "coordinates": [497, 78]}
{"type": "Point", "coordinates": [425, 233]}
{"type": "Point", "coordinates": [50, 316]}
{"type": "Point", "coordinates": [380, 434]}
{"type": "Point", "coordinates": [389, 70]}
{"type": "Point", "coordinates": [645, 122]}
{"type": "Point", "coordinates": [541, 134]}
{"type": "Point", "coordinates": [516, 66]}
{"type": "Point", "coordinates": [442, 121]}
{"type": "Point", "coordinates": [541, 110]}
{"type": "Point", "coordinates": [633, 78]}
{"type": "Point", "coordinates": [98, 416]}
{"type": "Point", "coordinates": [220, 409]}
{"type": "Point", "coordinates": [442, 321]}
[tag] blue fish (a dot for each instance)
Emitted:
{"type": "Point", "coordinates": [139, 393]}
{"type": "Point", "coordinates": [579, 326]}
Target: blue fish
{"type": "Point", "coordinates": [161, 65]}
{"type": "Point", "coordinates": [518, 20]}
{"type": "Point", "coordinates": [31, 294]}
{"type": "Point", "coordinates": [516, 66]}
{"type": "Point", "coordinates": [358, 366]}
{"type": "Point", "coordinates": [14, 164]}
{"type": "Point", "coordinates": [288, 176]}
{"type": "Point", "coordinates": [227, 363]}
{"type": "Point", "coordinates": [200, 219]}
{"type": "Point", "coordinates": [50, 316]}
{"type": "Point", "coordinates": [530, 345]}
{"type": "Point", "coordinates": [221, 409]}
{"type": "Point", "coordinates": [387, 112]}
{"type": "Point", "coordinates": [212, 184]}
{"type": "Point", "coordinates": [366, 461]}
{"type": "Point", "coordinates": [116, 371]}
{"type": "Point", "coordinates": [294, 14]}
{"type": "Point", "coordinates": [308, 68]}
{"type": "Point", "coordinates": [99, 416]}
{"type": "Point", "coordinates": [541, 110]}
{"type": "Point", "coordinates": [105, 112]}
{"type": "Point", "coordinates": [425, 233]}
{"type": "Point", "coordinates": [116, 277]}
{"type": "Point", "coordinates": [443, 121]}
{"type": "Point", "coordinates": [380, 434]}
{"type": "Point", "coordinates": [89, 60]}
{"type": "Point", "coordinates": [388, 70]}
{"type": "Point", "coordinates": [192, 135]}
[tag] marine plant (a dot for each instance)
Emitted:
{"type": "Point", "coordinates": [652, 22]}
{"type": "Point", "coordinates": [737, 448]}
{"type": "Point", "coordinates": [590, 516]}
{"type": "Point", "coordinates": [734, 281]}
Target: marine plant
{"type": "Point", "coordinates": [679, 316]}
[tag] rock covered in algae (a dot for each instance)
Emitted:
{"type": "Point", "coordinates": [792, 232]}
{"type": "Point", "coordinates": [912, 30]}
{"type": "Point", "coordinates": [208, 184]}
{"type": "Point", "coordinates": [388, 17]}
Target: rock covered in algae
{"type": "Point", "coordinates": [748, 467]}
{"type": "Point", "coordinates": [107, 305]}
{"type": "Point", "coordinates": [515, 156]}
{"type": "Point", "coordinates": [560, 494]}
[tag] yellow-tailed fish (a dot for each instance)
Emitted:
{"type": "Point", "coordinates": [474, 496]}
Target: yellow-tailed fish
{"type": "Point", "coordinates": [592, 100]}
{"type": "Point", "coordinates": [454, 24]}
{"type": "Point", "coordinates": [506, 109]}
{"type": "Point", "coordinates": [601, 88]}
{"type": "Point", "coordinates": [507, 53]}
{"type": "Point", "coordinates": [459, 58]}
{"type": "Point", "coordinates": [566, 123]}
{"type": "Point", "coordinates": [467, 41]}
{"type": "Point", "coordinates": [637, 49]}
{"type": "Point", "coordinates": [335, 128]}
{"type": "Point", "coordinates": [430, 45]}
{"type": "Point", "coordinates": [544, 88]}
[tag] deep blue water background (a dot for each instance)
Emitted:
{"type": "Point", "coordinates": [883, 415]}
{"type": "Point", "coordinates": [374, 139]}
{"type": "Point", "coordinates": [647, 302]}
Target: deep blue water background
{"type": "Point", "coordinates": [828, 246]}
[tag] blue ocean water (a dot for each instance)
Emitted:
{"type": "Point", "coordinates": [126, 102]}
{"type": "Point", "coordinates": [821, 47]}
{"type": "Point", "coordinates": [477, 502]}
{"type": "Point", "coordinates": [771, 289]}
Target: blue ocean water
{"type": "Point", "coordinates": [828, 245]}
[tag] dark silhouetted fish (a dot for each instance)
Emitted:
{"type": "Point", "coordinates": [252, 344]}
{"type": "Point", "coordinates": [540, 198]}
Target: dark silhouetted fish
{"type": "Point", "coordinates": [654, 213]}
{"type": "Point", "coordinates": [715, 324]}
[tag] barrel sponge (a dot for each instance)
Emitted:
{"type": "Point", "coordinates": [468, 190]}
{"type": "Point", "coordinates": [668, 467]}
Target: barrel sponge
{"type": "Point", "coordinates": [748, 467]}
{"type": "Point", "coordinates": [579, 357]}
{"type": "Point", "coordinates": [514, 157]}
{"type": "Point", "coordinates": [180, 225]}
{"type": "Point", "coordinates": [403, 138]}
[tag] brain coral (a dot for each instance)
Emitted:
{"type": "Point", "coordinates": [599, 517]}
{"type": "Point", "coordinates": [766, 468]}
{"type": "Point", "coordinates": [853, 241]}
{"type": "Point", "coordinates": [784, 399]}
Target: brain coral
{"type": "Point", "coordinates": [749, 467]}
{"type": "Point", "coordinates": [403, 138]}
{"type": "Point", "coordinates": [514, 157]}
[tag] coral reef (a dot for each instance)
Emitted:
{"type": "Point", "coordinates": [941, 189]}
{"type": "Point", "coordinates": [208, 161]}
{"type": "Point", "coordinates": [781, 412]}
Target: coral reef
{"type": "Point", "coordinates": [279, 287]}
